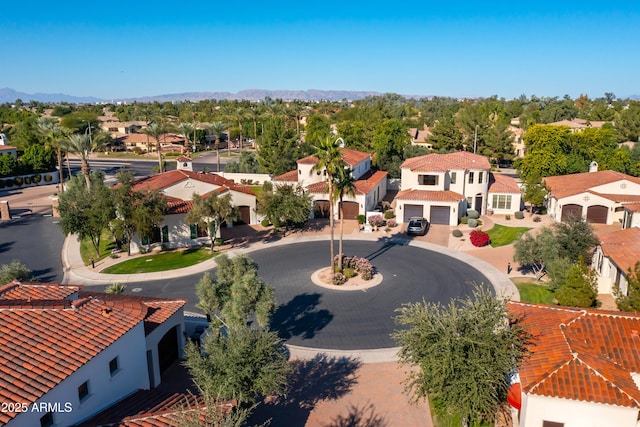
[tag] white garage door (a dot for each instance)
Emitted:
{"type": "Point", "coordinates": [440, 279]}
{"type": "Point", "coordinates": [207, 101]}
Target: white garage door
{"type": "Point", "coordinates": [412, 210]}
{"type": "Point", "coordinates": [440, 215]}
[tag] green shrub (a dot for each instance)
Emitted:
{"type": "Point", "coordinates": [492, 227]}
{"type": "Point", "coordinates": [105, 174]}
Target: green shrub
{"type": "Point", "coordinates": [473, 214]}
{"type": "Point", "coordinates": [507, 217]}
{"type": "Point", "coordinates": [267, 186]}
{"type": "Point", "coordinates": [518, 215]}
{"type": "Point", "coordinates": [361, 219]}
{"type": "Point", "coordinates": [349, 273]}
{"type": "Point", "coordinates": [537, 219]}
{"type": "Point", "coordinates": [36, 178]}
{"type": "Point", "coordinates": [464, 220]}
{"type": "Point", "coordinates": [389, 214]}
{"type": "Point", "coordinates": [473, 223]}
{"type": "Point", "coordinates": [48, 178]}
{"type": "Point", "coordinates": [265, 222]}
{"type": "Point", "coordinates": [219, 241]}
{"type": "Point", "coordinates": [338, 279]}
{"type": "Point", "coordinates": [27, 180]}
{"type": "Point", "coordinates": [456, 233]}
{"type": "Point", "coordinates": [17, 181]}
{"type": "Point", "coordinates": [479, 222]}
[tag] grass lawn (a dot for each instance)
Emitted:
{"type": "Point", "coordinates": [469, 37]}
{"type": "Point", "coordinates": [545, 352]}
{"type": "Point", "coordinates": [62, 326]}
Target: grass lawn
{"type": "Point", "coordinates": [257, 189]}
{"type": "Point", "coordinates": [161, 262]}
{"type": "Point", "coordinates": [501, 235]}
{"type": "Point", "coordinates": [535, 293]}
{"type": "Point", "coordinates": [87, 251]}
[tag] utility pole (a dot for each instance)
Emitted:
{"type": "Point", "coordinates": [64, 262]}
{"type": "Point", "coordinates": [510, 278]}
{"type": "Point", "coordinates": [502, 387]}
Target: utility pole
{"type": "Point", "coordinates": [475, 140]}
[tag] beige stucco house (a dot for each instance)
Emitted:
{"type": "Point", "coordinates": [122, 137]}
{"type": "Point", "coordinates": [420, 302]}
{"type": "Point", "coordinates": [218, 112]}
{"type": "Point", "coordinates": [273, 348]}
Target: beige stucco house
{"type": "Point", "coordinates": [617, 252]}
{"type": "Point", "coordinates": [370, 186]}
{"type": "Point", "coordinates": [442, 187]}
{"type": "Point", "coordinates": [598, 196]}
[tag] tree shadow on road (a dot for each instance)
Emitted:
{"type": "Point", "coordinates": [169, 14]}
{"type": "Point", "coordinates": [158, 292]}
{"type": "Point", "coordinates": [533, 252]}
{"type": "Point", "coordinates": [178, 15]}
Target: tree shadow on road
{"type": "Point", "coordinates": [300, 317]}
{"type": "Point", "coordinates": [312, 381]}
{"type": "Point", "coordinates": [359, 417]}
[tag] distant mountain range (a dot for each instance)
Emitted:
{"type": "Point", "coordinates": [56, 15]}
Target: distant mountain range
{"type": "Point", "coordinates": [8, 95]}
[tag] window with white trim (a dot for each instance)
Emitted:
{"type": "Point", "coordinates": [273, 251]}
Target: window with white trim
{"type": "Point", "coordinates": [501, 201]}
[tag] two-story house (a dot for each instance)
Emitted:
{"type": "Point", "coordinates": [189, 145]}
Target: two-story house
{"type": "Point", "coordinates": [67, 354]}
{"type": "Point", "coordinates": [370, 186]}
{"type": "Point", "coordinates": [442, 187]}
{"type": "Point", "coordinates": [583, 367]}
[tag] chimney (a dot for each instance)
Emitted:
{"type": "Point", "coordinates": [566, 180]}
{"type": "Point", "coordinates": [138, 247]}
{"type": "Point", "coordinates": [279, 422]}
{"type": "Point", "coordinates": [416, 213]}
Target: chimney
{"type": "Point", "coordinates": [593, 166]}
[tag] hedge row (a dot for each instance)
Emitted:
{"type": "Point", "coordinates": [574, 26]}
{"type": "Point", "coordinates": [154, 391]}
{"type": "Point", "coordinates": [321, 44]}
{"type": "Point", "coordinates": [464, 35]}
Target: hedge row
{"type": "Point", "coordinates": [26, 180]}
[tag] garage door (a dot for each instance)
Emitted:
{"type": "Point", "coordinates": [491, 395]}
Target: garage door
{"type": "Point", "coordinates": [245, 215]}
{"type": "Point", "coordinates": [321, 209]}
{"type": "Point", "coordinates": [412, 210]}
{"type": "Point", "coordinates": [569, 211]}
{"type": "Point", "coordinates": [440, 215]}
{"type": "Point", "coordinates": [350, 210]}
{"type": "Point", "coordinates": [597, 214]}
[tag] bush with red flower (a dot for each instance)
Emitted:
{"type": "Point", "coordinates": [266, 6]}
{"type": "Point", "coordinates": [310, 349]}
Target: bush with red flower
{"type": "Point", "coordinates": [479, 238]}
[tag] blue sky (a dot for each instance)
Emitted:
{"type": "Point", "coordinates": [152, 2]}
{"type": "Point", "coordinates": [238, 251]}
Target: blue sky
{"type": "Point", "coordinates": [463, 49]}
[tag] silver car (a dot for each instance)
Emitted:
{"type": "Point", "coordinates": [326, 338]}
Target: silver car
{"type": "Point", "coordinates": [418, 226]}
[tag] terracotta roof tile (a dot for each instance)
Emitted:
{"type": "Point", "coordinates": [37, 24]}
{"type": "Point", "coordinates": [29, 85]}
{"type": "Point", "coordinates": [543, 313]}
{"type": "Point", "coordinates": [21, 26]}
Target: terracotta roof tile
{"type": "Point", "coordinates": [133, 138]}
{"type": "Point", "coordinates": [622, 246]}
{"type": "Point", "coordinates": [350, 157]}
{"type": "Point", "coordinates": [291, 176]}
{"type": "Point", "coordinates": [43, 341]}
{"type": "Point", "coordinates": [429, 196]}
{"type": "Point", "coordinates": [633, 207]}
{"type": "Point", "coordinates": [580, 354]}
{"type": "Point", "coordinates": [568, 185]}
{"type": "Point", "coordinates": [445, 162]}
{"type": "Point", "coordinates": [367, 182]}
{"type": "Point", "coordinates": [163, 180]}
{"type": "Point", "coordinates": [499, 183]}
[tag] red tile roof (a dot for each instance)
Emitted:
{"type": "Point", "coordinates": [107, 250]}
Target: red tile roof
{"type": "Point", "coordinates": [569, 185]}
{"type": "Point", "coordinates": [633, 207]}
{"type": "Point", "coordinates": [318, 187]}
{"type": "Point", "coordinates": [622, 247]}
{"type": "Point", "coordinates": [163, 180]}
{"type": "Point", "coordinates": [429, 196]}
{"type": "Point", "coordinates": [291, 176]}
{"type": "Point", "coordinates": [133, 138]}
{"type": "Point", "coordinates": [446, 162]}
{"type": "Point", "coordinates": [367, 182]}
{"type": "Point", "coordinates": [580, 354]}
{"type": "Point", "coordinates": [44, 340]}
{"type": "Point", "coordinates": [499, 183]}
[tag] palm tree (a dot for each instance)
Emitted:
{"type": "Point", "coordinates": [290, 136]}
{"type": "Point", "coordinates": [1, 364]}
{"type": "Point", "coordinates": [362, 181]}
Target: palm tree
{"type": "Point", "coordinates": [54, 137]}
{"type": "Point", "coordinates": [82, 145]}
{"type": "Point", "coordinates": [157, 130]}
{"type": "Point", "coordinates": [329, 159]}
{"type": "Point", "coordinates": [186, 130]}
{"type": "Point", "coordinates": [217, 129]}
{"type": "Point", "coordinates": [344, 184]}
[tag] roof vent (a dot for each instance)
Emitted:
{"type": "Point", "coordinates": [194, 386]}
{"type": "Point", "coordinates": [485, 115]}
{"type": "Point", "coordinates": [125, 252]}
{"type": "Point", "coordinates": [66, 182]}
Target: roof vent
{"type": "Point", "coordinates": [106, 312]}
{"type": "Point", "coordinates": [593, 166]}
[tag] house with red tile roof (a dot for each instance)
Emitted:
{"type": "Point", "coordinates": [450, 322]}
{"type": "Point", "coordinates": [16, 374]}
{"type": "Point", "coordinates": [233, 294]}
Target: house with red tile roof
{"type": "Point", "coordinates": [370, 185]}
{"type": "Point", "coordinates": [420, 136]}
{"type": "Point", "coordinates": [442, 187]}
{"type": "Point", "coordinates": [597, 196]}
{"type": "Point", "coordinates": [583, 368]}
{"type": "Point", "coordinates": [168, 142]}
{"type": "Point", "coordinates": [617, 252]}
{"type": "Point", "coordinates": [178, 187]}
{"type": "Point", "coordinates": [67, 354]}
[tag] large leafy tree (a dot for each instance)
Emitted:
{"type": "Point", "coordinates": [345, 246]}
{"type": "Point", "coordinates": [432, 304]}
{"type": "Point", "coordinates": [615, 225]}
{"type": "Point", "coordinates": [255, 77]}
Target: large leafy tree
{"type": "Point", "coordinates": [317, 129]}
{"type": "Point", "coordinates": [356, 135]}
{"type": "Point", "coordinates": [445, 136]}
{"type": "Point", "coordinates": [546, 151]}
{"type": "Point", "coordinates": [580, 288]}
{"type": "Point", "coordinates": [278, 151]}
{"type": "Point", "coordinates": [536, 252]}
{"type": "Point", "coordinates": [210, 212]}
{"type": "Point", "coordinates": [464, 353]}
{"type": "Point", "coordinates": [288, 205]}
{"type": "Point", "coordinates": [330, 160]}
{"type": "Point", "coordinates": [389, 140]}
{"type": "Point", "coordinates": [86, 212]}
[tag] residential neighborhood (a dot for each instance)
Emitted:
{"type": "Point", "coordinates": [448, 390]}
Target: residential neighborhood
{"type": "Point", "coordinates": [127, 335]}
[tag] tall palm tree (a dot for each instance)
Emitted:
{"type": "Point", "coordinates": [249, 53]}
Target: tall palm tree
{"type": "Point", "coordinates": [344, 185]}
{"type": "Point", "coordinates": [329, 157]}
{"type": "Point", "coordinates": [82, 145]}
{"type": "Point", "coordinates": [54, 137]}
{"type": "Point", "coordinates": [240, 114]}
{"type": "Point", "coordinates": [217, 129]}
{"type": "Point", "coordinates": [157, 130]}
{"type": "Point", "coordinates": [186, 130]}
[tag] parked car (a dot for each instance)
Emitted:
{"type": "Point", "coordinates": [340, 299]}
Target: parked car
{"type": "Point", "coordinates": [418, 226]}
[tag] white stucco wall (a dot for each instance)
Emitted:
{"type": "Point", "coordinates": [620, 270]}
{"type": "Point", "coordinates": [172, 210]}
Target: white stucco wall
{"type": "Point", "coordinates": [536, 409]}
{"type": "Point", "coordinates": [454, 213]}
{"type": "Point", "coordinates": [516, 203]}
{"type": "Point", "coordinates": [104, 390]}
{"type": "Point", "coordinates": [618, 187]}
{"type": "Point", "coordinates": [555, 205]}
{"type": "Point", "coordinates": [156, 335]}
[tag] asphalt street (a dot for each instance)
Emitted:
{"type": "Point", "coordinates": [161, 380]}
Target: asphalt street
{"type": "Point", "coordinates": [312, 316]}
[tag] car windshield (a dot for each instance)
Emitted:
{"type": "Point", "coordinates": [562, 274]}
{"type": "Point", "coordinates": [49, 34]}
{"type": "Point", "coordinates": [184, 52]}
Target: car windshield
{"type": "Point", "coordinates": [415, 224]}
